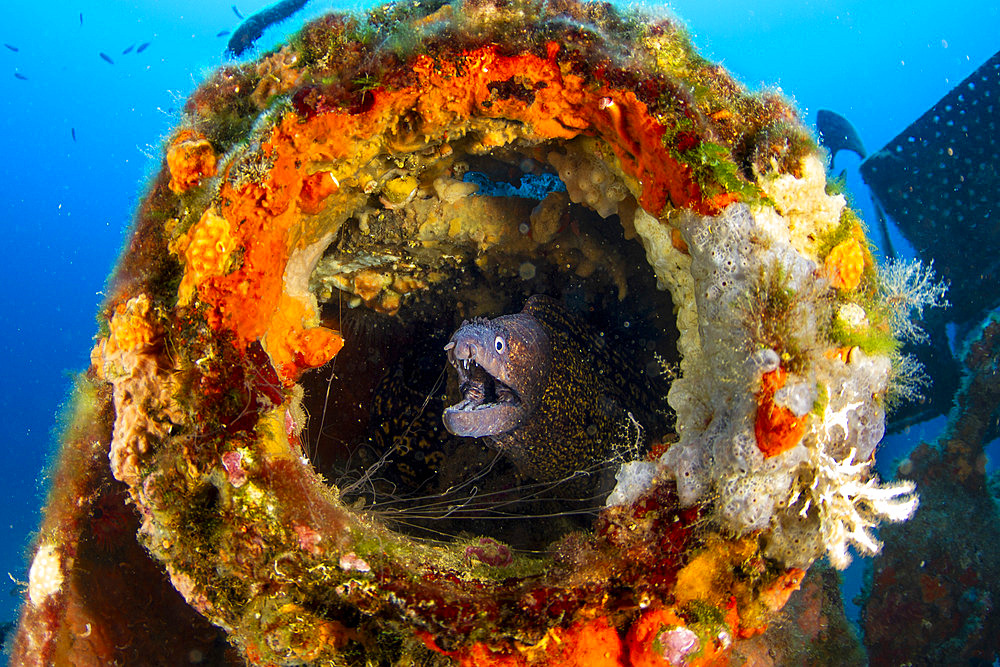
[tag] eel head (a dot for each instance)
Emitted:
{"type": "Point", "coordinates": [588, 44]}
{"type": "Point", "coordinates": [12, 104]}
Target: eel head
{"type": "Point", "coordinates": [503, 366]}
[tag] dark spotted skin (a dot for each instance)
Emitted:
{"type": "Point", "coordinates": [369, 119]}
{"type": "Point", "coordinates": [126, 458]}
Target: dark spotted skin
{"type": "Point", "coordinates": [402, 424]}
{"type": "Point", "coordinates": [585, 400]}
{"type": "Point", "coordinates": [401, 446]}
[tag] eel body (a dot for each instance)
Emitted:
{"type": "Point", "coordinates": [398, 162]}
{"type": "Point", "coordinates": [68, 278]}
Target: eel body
{"type": "Point", "coordinates": [546, 390]}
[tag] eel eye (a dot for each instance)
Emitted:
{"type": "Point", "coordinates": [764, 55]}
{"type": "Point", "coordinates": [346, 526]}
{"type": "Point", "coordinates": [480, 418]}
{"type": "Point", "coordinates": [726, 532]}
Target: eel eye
{"type": "Point", "coordinates": [499, 344]}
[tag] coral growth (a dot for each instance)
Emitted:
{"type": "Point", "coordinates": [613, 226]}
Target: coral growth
{"type": "Point", "coordinates": [847, 507]}
{"type": "Point", "coordinates": [845, 264]}
{"type": "Point", "coordinates": [206, 249]}
{"type": "Point", "coordinates": [190, 159]}
{"type": "Point", "coordinates": [811, 629]}
{"type": "Point", "coordinates": [130, 330]}
{"type": "Point", "coordinates": [340, 229]}
{"type": "Point", "coordinates": [294, 343]}
{"type": "Point", "coordinates": [763, 455]}
{"type": "Point", "coordinates": [589, 181]}
{"type": "Point", "coordinates": [776, 428]}
{"type": "Point", "coordinates": [278, 75]}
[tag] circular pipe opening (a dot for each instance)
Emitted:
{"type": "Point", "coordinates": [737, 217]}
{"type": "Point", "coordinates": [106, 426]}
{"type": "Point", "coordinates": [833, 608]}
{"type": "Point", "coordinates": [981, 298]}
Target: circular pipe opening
{"type": "Point", "coordinates": [374, 413]}
{"type": "Point", "coordinates": [276, 339]}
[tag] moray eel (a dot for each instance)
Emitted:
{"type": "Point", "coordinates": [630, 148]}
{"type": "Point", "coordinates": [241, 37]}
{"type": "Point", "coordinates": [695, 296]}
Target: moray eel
{"type": "Point", "coordinates": [546, 390]}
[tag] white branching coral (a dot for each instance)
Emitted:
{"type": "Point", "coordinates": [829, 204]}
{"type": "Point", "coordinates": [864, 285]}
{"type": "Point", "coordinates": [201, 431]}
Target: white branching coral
{"type": "Point", "coordinates": [907, 287]}
{"type": "Point", "coordinates": [849, 504]}
{"type": "Point", "coordinates": [816, 494]}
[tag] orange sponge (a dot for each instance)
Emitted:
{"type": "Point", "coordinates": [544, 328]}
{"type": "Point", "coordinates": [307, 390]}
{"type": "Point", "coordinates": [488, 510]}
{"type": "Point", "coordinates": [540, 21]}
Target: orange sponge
{"type": "Point", "coordinates": [190, 159]}
{"type": "Point", "coordinates": [205, 249]}
{"type": "Point", "coordinates": [777, 429]}
{"type": "Point", "coordinates": [845, 264]}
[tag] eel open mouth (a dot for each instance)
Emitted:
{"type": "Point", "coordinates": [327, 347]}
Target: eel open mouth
{"type": "Point", "coordinates": [488, 406]}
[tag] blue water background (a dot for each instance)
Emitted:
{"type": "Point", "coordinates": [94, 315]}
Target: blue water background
{"type": "Point", "coordinates": [67, 205]}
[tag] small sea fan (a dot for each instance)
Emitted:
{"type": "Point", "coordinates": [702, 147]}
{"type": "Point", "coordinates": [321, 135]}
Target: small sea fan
{"type": "Point", "coordinates": [907, 287]}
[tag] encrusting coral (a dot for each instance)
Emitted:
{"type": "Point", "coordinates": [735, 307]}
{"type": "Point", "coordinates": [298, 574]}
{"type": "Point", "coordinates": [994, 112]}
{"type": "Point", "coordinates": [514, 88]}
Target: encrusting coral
{"type": "Point", "coordinates": [845, 264]}
{"type": "Point", "coordinates": [190, 159]}
{"type": "Point", "coordinates": [315, 208]}
{"type": "Point", "coordinates": [206, 250]}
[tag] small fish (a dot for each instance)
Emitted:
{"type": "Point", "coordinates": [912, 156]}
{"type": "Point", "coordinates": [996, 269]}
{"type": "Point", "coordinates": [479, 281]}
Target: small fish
{"type": "Point", "coordinates": [222, 33]}
{"type": "Point", "coordinates": [107, 58]}
{"type": "Point", "coordinates": [548, 392]}
{"type": "Point", "coordinates": [142, 47]}
{"type": "Point", "coordinates": [12, 47]}
{"type": "Point", "coordinates": [72, 131]}
{"type": "Point", "coordinates": [81, 19]}
{"type": "Point", "coordinates": [237, 12]}
{"type": "Point", "coordinates": [128, 50]}
{"type": "Point", "coordinates": [18, 75]}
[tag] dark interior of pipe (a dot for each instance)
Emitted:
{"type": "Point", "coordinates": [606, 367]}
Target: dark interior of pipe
{"type": "Point", "coordinates": [374, 413]}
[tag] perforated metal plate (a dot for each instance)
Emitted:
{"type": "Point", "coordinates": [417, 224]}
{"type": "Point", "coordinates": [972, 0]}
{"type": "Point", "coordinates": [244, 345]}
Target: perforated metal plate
{"type": "Point", "coordinates": [940, 181]}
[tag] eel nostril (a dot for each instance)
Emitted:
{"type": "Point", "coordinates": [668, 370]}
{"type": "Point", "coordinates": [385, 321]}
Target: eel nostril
{"type": "Point", "coordinates": [465, 349]}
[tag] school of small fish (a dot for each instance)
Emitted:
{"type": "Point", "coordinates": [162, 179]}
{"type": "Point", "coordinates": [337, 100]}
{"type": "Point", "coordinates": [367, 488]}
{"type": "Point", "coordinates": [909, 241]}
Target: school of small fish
{"type": "Point", "coordinates": [273, 14]}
